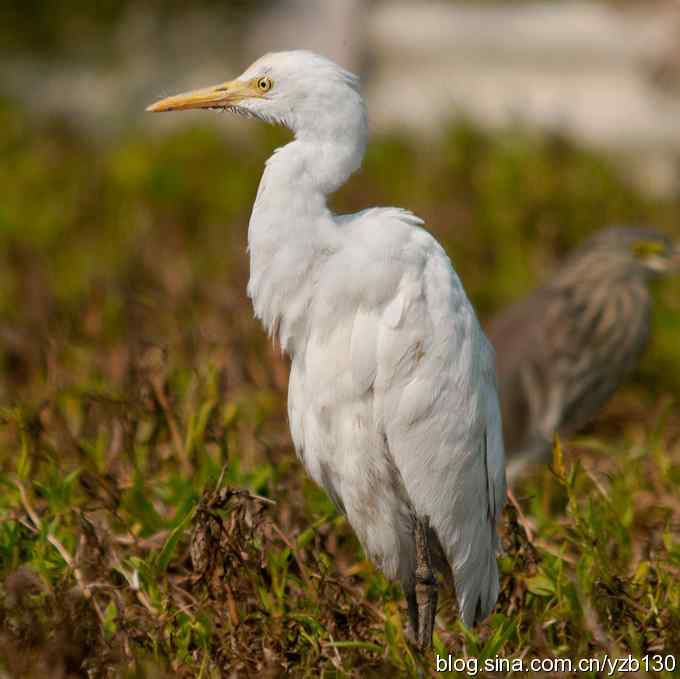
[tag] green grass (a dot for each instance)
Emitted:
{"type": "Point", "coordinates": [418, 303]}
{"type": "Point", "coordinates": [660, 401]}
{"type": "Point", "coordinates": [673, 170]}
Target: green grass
{"type": "Point", "coordinates": [153, 518]}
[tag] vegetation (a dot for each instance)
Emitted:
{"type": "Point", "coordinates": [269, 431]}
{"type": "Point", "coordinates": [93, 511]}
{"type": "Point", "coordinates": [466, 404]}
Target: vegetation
{"type": "Point", "coordinates": [65, 28]}
{"type": "Point", "coordinates": [153, 518]}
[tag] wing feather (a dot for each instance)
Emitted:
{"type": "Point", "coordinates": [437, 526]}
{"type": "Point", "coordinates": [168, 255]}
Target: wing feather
{"type": "Point", "coordinates": [436, 390]}
{"type": "Point", "coordinates": [363, 350]}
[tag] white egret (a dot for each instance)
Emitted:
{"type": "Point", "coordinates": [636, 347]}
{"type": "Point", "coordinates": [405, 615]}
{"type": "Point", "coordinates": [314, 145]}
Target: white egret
{"type": "Point", "coordinates": [392, 397]}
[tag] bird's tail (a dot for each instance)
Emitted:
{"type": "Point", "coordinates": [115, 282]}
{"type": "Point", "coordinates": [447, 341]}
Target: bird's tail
{"type": "Point", "coordinates": [472, 572]}
{"type": "Point", "coordinates": [477, 586]}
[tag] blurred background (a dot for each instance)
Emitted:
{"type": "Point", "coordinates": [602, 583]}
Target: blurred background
{"type": "Point", "coordinates": [515, 129]}
{"type": "Point", "coordinates": [128, 351]}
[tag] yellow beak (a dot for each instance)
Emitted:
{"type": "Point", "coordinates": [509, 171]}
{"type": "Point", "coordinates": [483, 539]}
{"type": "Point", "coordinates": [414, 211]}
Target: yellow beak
{"type": "Point", "coordinates": [218, 96]}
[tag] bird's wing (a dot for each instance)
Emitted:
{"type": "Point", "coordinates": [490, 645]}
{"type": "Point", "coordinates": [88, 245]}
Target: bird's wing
{"type": "Point", "coordinates": [542, 346]}
{"type": "Point", "coordinates": [562, 351]}
{"type": "Point", "coordinates": [495, 449]}
{"type": "Point", "coordinates": [433, 377]}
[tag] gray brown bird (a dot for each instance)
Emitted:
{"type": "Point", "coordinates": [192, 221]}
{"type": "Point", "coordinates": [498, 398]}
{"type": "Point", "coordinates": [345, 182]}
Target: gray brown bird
{"type": "Point", "coordinates": [563, 350]}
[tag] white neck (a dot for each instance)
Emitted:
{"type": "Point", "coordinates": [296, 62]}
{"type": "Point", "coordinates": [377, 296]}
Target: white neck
{"type": "Point", "coordinates": [292, 231]}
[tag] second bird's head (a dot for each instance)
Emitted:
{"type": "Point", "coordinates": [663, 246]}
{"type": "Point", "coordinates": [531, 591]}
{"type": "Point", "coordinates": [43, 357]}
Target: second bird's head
{"type": "Point", "coordinates": [301, 90]}
{"type": "Point", "coordinates": [628, 251]}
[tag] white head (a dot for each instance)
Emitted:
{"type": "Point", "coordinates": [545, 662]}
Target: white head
{"type": "Point", "coordinates": [307, 93]}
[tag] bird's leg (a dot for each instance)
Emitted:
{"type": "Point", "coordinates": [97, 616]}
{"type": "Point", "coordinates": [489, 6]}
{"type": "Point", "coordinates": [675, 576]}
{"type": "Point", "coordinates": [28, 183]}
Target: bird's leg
{"type": "Point", "coordinates": [425, 587]}
{"type": "Point", "coordinates": [412, 604]}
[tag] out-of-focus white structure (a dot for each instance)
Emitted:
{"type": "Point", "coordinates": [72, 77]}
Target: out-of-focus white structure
{"type": "Point", "coordinates": [603, 75]}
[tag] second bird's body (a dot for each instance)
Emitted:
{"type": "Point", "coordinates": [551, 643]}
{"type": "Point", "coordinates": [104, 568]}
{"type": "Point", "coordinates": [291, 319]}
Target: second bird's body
{"type": "Point", "coordinates": [565, 348]}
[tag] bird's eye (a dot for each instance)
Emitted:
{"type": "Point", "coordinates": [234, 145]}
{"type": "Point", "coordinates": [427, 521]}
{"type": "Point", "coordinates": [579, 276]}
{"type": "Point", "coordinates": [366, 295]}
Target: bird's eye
{"type": "Point", "coordinates": [264, 84]}
{"type": "Point", "coordinates": [644, 249]}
